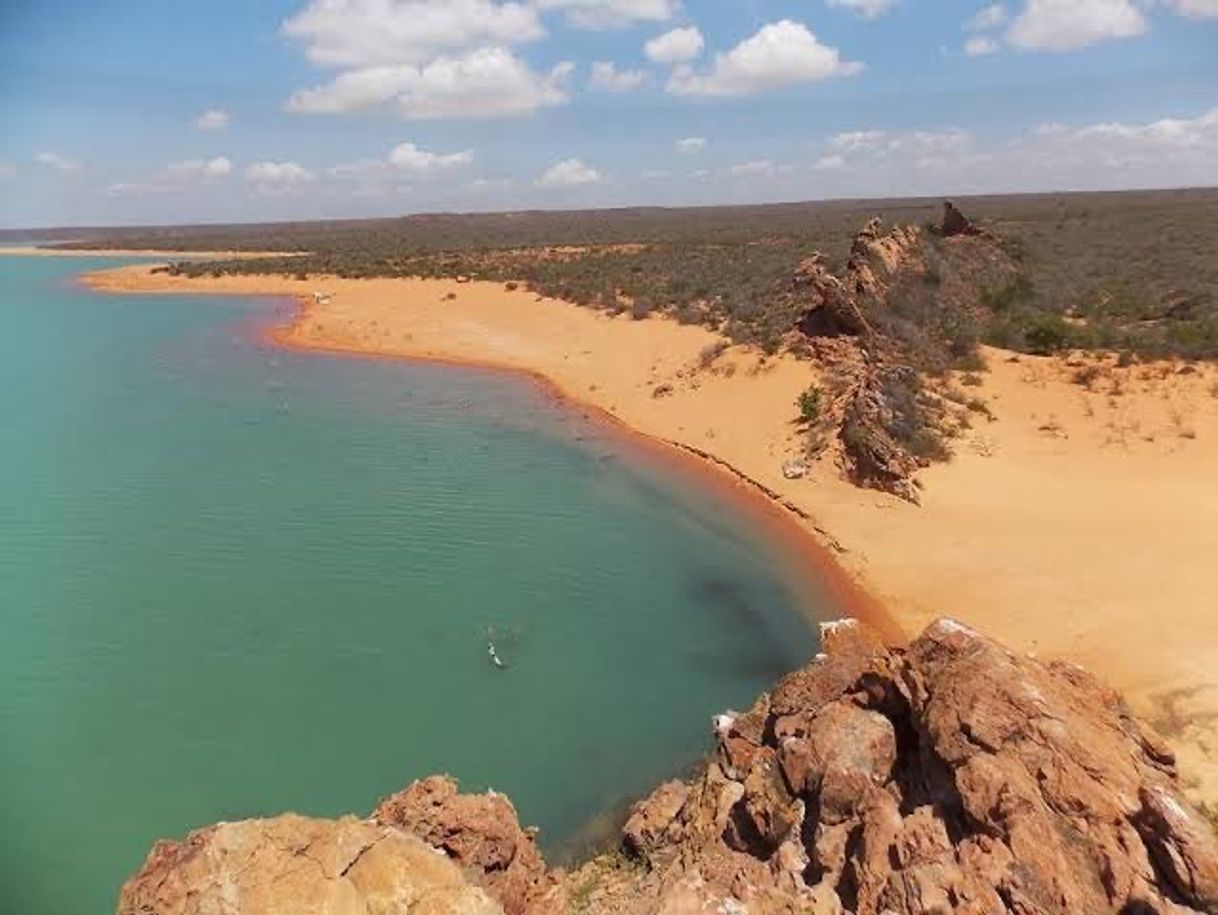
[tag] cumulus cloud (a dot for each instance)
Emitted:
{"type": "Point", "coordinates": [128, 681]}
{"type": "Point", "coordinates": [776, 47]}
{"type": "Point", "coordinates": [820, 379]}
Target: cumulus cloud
{"type": "Point", "coordinates": [411, 158]}
{"type": "Point", "coordinates": [278, 174]}
{"type": "Point", "coordinates": [868, 9]}
{"type": "Point", "coordinates": [486, 83]}
{"type": "Point", "coordinates": [608, 14]}
{"type": "Point", "coordinates": [988, 17]}
{"type": "Point", "coordinates": [690, 145]}
{"type": "Point", "coordinates": [780, 54]}
{"type": "Point", "coordinates": [1195, 9]}
{"type": "Point", "coordinates": [676, 47]}
{"type": "Point", "coordinates": [58, 162]}
{"type": "Point", "coordinates": [406, 165]}
{"type": "Point", "coordinates": [1179, 151]}
{"type": "Point", "coordinates": [606, 77]}
{"type": "Point", "coordinates": [756, 167]}
{"type": "Point", "coordinates": [980, 45]}
{"type": "Point", "coordinates": [1066, 25]}
{"type": "Point", "coordinates": [857, 139]}
{"type": "Point", "coordinates": [569, 173]}
{"type": "Point", "coordinates": [219, 167]}
{"type": "Point", "coordinates": [376, 33]}
{"type": "Point", "coordinates": [212, 119]}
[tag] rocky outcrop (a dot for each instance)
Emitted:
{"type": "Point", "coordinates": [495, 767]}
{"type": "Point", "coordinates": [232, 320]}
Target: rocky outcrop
{"type": "Point", "coordinates": [949, 776]}
{"type": "Point", "coordinates": [955, 224]}
{"type": "Point", "coordinates": [908, 303]}
{"type": "Point", "coordinates": [839, 304]}
{"type": "Point", "coordinates": [479, 832]}
{"type": "Point", "coordinates": [292, 865]}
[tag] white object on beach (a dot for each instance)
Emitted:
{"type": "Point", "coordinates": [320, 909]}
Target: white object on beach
{"type": "Point", "coordinates": [833, 626]}
{"type": "Point", "coordinates": [794, 470]}
{"type": "Point", "coordinates": [722, 723]}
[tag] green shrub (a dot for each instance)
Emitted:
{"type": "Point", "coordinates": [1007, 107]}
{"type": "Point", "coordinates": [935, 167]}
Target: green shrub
{"type": "Point", "coordinates": [809, 404]}
{"type": "Point", "coordinates": [1046, 334]}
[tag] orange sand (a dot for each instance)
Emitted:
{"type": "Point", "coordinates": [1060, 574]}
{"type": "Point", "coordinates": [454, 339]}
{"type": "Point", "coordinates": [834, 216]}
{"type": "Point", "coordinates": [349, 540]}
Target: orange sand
{"type": "Point", "coordinates": [1077, 524]}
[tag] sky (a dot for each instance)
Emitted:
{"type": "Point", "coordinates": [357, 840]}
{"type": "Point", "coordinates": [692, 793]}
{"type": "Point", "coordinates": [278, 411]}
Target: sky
{"type": "Point", "coordinates": [145, 111]}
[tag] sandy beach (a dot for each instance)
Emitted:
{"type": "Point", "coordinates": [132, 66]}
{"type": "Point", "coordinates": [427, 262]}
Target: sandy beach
{"type": "Point", "coordinates": [1078, 524]}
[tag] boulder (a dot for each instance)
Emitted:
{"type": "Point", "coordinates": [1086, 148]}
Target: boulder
{"type": "Point", "coordinates": [291, 865]}
{"type": "Point", "coordinates": [479, 832]}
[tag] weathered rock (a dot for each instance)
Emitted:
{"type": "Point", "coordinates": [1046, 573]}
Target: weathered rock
{"type": "Point", "coordinates": [950, 776]}
{"type": "Point", "coordinates": [889, 424]}
{"type": "Point", "coordinates": [480, 832]}
{"type": "Point", "coordinates": [291, 865]}
{"type": "Point", "coordinates": [650, 826]}
{"type": "Point", "coordinates": [955, 225]}
{"type": "Point", "coordinates": [955, 222]}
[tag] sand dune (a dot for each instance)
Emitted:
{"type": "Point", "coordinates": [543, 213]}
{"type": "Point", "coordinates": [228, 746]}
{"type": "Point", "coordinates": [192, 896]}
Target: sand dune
{"type": "Point", "coordinates": [1079, 523]}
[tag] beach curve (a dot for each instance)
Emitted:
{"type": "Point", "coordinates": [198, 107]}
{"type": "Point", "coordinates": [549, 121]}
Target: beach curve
{"type": "Point", "coordinates": [1011, 536]}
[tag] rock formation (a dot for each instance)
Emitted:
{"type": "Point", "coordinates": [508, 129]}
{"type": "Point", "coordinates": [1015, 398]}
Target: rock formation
{"type": "Point", "coordinates": [898, 308]}
{"type": "Point", "coordinates": [955, 224]}
{"type": "Point", "coordinates": [481, 833]}
{"type": "Point", "coordinates": [291, 865]}
{"type": "Point", "coordinates": [950, 776]}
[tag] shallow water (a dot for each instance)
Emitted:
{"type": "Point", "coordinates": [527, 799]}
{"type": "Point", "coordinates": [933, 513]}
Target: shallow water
{"type": "Point", "coordinates": [236, 580]}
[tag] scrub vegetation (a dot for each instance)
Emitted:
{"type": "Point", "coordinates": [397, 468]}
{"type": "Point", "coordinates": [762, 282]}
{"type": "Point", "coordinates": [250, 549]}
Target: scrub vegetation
{"type": "Point", "coordinates": [1131, 271]}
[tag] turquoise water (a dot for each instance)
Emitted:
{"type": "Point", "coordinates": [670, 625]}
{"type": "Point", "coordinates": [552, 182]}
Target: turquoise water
{"type": "Point", "coordinates": [236, 580]}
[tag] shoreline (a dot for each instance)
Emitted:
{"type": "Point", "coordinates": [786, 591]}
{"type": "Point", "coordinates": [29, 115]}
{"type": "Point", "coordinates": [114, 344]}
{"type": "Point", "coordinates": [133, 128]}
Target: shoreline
{"type": "Point", "coordinates": [786, 523]}
{"type": "Point", "coordinates": [1078, 522]}
{"type": "Point", "coordinates": [164, 256]}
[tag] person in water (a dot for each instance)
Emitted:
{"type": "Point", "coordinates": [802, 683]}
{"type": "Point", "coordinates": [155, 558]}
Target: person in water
{"type": "Point", "coordinates": [494, 655]}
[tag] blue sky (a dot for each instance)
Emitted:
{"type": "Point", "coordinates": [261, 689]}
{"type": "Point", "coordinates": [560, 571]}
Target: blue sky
{"type": "Point", "coordinates": [117, 111]}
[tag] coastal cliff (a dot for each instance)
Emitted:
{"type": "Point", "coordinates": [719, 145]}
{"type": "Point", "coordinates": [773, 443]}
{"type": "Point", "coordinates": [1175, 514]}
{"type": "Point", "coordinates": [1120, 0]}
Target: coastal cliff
{"type": "Point", "coordinates": [951, 775]}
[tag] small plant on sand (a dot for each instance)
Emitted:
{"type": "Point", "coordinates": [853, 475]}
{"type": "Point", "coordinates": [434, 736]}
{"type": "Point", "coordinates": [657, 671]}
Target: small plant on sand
{"type": "Point", "coordinates": [809, 404]}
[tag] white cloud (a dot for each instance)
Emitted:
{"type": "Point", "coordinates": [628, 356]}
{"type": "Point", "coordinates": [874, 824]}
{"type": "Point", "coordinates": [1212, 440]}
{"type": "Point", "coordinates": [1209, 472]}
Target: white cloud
{"type": "Point", "coordinates": [409, 157]}
{"type": "Point", "coordinates": [134, 188]}
{"type": "Point", "coordinates": [756, 167]}
{"type": "Point", "coordinates": [606, 77]}
{"type": "Point", "coordinates": [278, 173]}
{"type": "Point", "coordinates": [691, 145]}
{"type": "Point", "coordinates": [376, 33]}
{"type": "Point", "coordinates": [980, 45]}
{"type": "Point", "coordinates": [858, 139]}
{"type": "Point", "coordinates": [212, 119]}
{"type": "Point", "coordinates": [7, 169]}
{"type": "Point", "coordinates": [486, 83]}
{"type": "Point", "coordinates": [780, 54]}
{"type": "Point", "coordinates": [59, 163]}
{"type": "Point", "coordinates": [988, 17]}
{"type": "Point", "coordinates": [1180, 152]}
{"type": "Point", "coordinates": [1195, 9]}
{"type": "Point", "coordinates": [1066, 25]}
{"type": "Point", "coordinates": [569, 173]}
{"type": "Point", "coordinates": [868, 9]}
{"type": "Point", "coordinates": [608, 14]}
{"type": "Point", "coordinates": [826, 163]}
{"type": "Point", "coordinates": [676, 47]}
{"type": "Point", "coordinates": [219, 167]}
